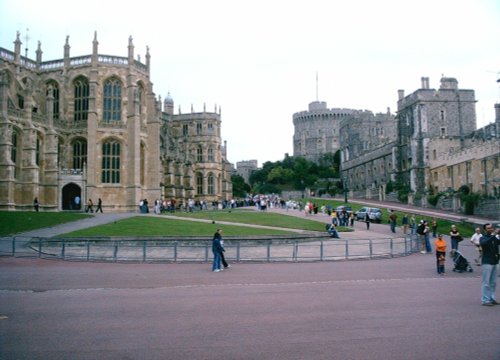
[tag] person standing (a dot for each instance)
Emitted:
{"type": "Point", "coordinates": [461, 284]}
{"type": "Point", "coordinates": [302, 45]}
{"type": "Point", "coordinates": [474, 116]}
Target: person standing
{"type": "Point", "coordinates": [413, 225]}
{"type": "Point", "coordinates": [392, 219]}
{"type": "Point", "coordinates": [217, 249]}
{"type": "Point", "coordinates": [36, 204]}
{"type": "Point", "coordinates": [421, 236]}
{"type": "Point", "coordinates": [427, 233]}
{"type": "Point", "coordinates": [440, 254]}
{"type": "Point", "coordinates": [99, 206]}
{"type": "Point", "coordinates": [77, 202]}
{"type": "Point", "coordinates": [455, 238]}
{"type": "Point", "coordinates": [475, 241]}
{"type": "Point", "coordinates": [405, 222]}
{"type": "Point", "coordinates": [222, 257]}
{"type": "Point", "coordinates": [434, 227]}
{"type": "Point", "coordinates": [334, 218]}
{"type": "Point", "coordinates": [489, 265]}
{"type": "Point", "coordinates": [367, 221]}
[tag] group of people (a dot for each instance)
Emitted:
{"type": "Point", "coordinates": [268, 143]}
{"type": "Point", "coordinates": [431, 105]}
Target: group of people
{"type": "Point", "coordinates": [90, 206]}
{"type": "Point", "coordinates": [487, 243]}
{"type": "Point", "coordinates": [342, 218]}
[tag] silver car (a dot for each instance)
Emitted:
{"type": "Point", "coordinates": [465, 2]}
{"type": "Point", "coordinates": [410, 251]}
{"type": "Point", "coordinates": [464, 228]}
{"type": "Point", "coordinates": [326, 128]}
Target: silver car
{"type": "Point", "coordinates": [374, 214]}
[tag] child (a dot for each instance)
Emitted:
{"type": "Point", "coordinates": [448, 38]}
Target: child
{"type": "Point", "coordinates": [440, 254]}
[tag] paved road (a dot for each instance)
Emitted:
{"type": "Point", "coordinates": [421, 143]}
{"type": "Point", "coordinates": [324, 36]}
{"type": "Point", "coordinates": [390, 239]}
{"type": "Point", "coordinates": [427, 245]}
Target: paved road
{"type": "Point", "coordinates": [381, 309]}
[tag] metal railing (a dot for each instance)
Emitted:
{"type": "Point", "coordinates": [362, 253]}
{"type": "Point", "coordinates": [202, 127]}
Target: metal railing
{"type": "Point", "coordinates": [191, 249]}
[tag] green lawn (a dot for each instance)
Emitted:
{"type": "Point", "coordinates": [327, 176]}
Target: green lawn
{"type": "Point", "coordinates": [260, 218]}
{"type": "Point", "coordinates": [443, 224]}
{"type": "Point", "coordinates": [154, 226]}
{"type": "Point", "coordinates": [14, 222]}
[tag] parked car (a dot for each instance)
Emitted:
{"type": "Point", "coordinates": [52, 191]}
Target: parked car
{"type": "Point", "coordinates": [374, 214]}
{"type": "Point", "coordinates": [348, 209]}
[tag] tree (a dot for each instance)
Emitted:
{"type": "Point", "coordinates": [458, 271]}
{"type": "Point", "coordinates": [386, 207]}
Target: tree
{"type": "Point", "coordinates": [240, 187]}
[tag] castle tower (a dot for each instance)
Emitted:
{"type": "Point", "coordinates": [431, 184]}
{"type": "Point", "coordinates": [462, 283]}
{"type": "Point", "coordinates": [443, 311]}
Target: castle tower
{"type": "Point", "coordinates": [426, 114]}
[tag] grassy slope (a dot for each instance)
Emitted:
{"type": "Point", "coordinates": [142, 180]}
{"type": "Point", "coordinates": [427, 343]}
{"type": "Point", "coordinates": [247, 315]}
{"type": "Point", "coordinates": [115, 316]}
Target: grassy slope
{"type": "Point", "coordinates": [13, 222]}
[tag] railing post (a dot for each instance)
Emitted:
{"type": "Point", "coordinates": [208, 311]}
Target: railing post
{"type": "Point", "coordinates": [295, 254]}
{"type": "Point", "coordinates": [206, 252]}
{"type": "Point", "coordinates": [88, 250]}
{"type": "Point", "coordinates": [115, 250]}
{"type": "Point", "coordinates": [63, 249]}
{"type": "Point", "coordinates": [346, 250]}
{"type": "Point", "coordinates": [13, 246]}
{"type": "Point", "coordinates": [321, 250]}
{"type": "Point", "coordinates": [144, 250]}
{"type": "Point", "coordinates": [39, 247]}
{"type": "Point", "coordinates": [371, 248]}
{"type": "Point", "coordinates": [269, 251]}
{"type": "Point", "coordinates": [175, 252]}
{"type": "Point", "coordinates": [392, 248]}
{"type": "Point", "coordinates": [238, 251]}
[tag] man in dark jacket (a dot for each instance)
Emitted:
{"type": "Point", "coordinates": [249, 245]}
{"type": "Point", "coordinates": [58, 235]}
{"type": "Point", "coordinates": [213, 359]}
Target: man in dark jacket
{"type": "Point", "coordinates": [217, 249]}
{"type": "Point", "coordinates": [489, 265]}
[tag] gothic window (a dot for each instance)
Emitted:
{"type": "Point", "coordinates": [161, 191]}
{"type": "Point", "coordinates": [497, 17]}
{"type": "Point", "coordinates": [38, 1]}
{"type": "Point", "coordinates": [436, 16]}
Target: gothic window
{"type": "Point", "coordinates": [82, 92]}
{"type": "Point", "coordinates": [52, 85]}
{"type": "Point", "coordinates": [143, 163]}
{"type": "Point", "coordinates": [211, 184]}
{"type": "Point", "coordinates": [79, 153]}
{"type": "Point", "coordinates": [140, 93]}
{"type": "Point", "coordinates": [443, 131]}
{"type": "Point", "coordinates": [14, 151]}
{"type": "Point", "coordinates": [60, 151]}
{"type": "Point", "coordinates": [211, 155]}
{"type": "Point", "coordinates": [112, 100]}
{"type": "Point", "coordinates": [185, 130]}
{"type": "Point", "coordinates": [210, 128]}
{"type": "Point", "coordinates": [199, 154]}
{"type": "Point", "coordinates": [199, 183]}
{"type": "Point", "coordinates": [198, 128]}
{"type": "Point", "coordinates": [20, 101]}
{"type": "Point", "coordinates": [110, 162]}
{"type": "Point", "coordinates": [38, 150]}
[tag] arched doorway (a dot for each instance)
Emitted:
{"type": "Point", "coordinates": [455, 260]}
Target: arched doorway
{"type": "Point", "coordinates": [69, 193]}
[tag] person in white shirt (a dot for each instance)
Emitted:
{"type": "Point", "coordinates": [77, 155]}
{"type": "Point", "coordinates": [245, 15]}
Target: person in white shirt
{"type": "Point", "coordinates": [475, 240]}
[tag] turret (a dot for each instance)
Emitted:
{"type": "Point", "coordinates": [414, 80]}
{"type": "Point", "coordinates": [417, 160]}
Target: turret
{"type": "Point", "coordinates": [39, 53]}
{"type": "Point", "coordinates": [168, 105]}
{"type": "Point", "coordinates": [66, 53]}
{"type": "Point", "coordinates": [95, 49]}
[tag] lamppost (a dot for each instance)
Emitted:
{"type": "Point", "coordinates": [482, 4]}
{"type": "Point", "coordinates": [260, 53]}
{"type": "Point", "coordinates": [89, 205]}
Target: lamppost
{"type": "Point", "coordinates": [345, 188]}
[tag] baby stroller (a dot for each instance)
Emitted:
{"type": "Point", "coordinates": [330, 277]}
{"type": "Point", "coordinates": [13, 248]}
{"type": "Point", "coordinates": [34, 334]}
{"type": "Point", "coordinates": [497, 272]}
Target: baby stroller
{"type": "Point", "coordinates": [461, 263]}
{"type": "Point", "coordinates": [332, 231]}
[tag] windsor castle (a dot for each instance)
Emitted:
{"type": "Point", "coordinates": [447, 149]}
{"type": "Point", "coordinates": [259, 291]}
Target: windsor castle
{"type": "Point", "coordinates": [91, 127]}
{"type": "Point", "coordinates": [431, 145]}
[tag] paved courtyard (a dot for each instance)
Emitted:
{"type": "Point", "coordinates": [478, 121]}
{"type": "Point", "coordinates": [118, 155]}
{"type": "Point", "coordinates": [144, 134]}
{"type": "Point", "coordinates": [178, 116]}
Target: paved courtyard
{"type": "Point", "coordinates": [369, 309]}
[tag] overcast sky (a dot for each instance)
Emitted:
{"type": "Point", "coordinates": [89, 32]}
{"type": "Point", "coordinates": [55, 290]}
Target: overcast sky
{"type": "Point", "coordinates": [258, 59]}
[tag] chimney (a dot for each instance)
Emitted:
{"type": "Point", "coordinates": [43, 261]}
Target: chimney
{"type": "Point", "coordinates": [401, 94]}
{"type": "Point", "coordinates": [425, 82]}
